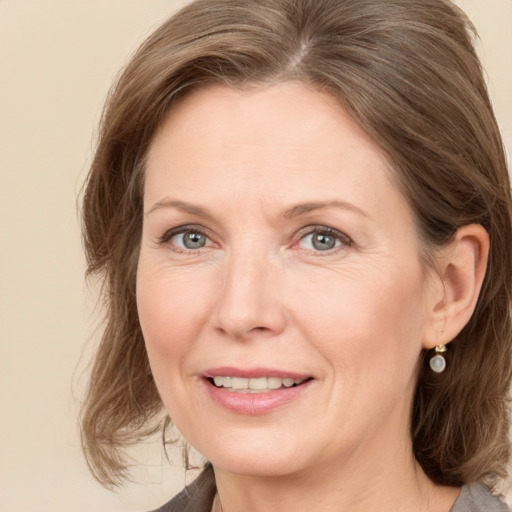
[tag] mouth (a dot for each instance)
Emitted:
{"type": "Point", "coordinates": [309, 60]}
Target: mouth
{"type": "Point", "coordinates": [255, 391]}
{"type": "Point", "coordinates": [255, 384]}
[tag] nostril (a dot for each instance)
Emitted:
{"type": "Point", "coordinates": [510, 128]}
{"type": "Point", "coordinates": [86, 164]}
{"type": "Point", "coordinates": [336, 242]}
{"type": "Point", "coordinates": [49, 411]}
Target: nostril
{"type": "Point", "coordinates": [259, 330]}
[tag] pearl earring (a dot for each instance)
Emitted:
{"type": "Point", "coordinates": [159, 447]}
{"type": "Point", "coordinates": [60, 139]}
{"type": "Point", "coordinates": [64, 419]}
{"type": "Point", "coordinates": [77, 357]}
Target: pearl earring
{"type": "Point", "coordinates": [438, 362]}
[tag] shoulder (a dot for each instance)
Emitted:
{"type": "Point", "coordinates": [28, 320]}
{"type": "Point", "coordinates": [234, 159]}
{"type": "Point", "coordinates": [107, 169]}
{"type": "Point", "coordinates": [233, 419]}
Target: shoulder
{"type": "Point", "coordinates": [196, 497]}
{"type": "Point", "coordinates": [477, 498]}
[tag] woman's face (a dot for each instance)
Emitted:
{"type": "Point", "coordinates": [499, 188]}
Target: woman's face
{"type": "Point", "coordinates": [277, 252]}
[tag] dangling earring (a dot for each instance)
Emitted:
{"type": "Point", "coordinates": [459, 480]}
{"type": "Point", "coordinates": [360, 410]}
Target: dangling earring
{"type": "Point", "coordinates": [438, 362]}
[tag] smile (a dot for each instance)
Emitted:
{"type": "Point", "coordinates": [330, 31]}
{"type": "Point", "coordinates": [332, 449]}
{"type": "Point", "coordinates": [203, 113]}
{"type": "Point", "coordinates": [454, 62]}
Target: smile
{"type": "Point", "coordinates": [254, 384]}
{"type": "Point", "coordinates": [254, 391]}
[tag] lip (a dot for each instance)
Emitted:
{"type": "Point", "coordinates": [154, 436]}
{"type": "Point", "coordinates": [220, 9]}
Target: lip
{"type": "Point", "coordinates": [230, 371]}
{"type": "Point", "coordinates": [254, 403]}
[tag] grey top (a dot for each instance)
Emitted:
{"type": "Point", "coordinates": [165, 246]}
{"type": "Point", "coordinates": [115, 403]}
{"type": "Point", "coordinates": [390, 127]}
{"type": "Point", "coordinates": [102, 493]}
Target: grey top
{"type": "Point", "coordinates": [199, 495]}
{"type": "Point", "coordinates": [477, 498]}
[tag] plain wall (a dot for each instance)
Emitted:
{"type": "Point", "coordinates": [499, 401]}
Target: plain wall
{"type": "Point", "coordinates": [57, 60]}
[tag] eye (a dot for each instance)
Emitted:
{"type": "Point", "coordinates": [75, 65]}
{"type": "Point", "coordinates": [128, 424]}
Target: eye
{"type": "Point", "coordinates": [323, 239]}
{"type": "Point", "coordinates": [188, 239]}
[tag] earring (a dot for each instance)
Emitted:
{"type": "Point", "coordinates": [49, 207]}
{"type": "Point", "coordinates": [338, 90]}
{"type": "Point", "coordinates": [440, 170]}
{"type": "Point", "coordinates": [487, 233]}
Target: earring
{"type": "Point", "coordinates": [438, 362]}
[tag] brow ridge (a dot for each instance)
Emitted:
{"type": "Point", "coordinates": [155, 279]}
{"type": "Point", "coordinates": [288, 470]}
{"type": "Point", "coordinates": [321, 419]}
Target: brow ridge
{"type": "Point", "coordinates": [303, 208]}
{"type": "Point", "coordinates": [180, 205]}
{"type": "Point", "coordinates": [293, 212]}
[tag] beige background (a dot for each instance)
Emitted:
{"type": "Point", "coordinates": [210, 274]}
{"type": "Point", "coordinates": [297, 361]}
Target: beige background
{"type": "Point", "coordinates": [57, 59]}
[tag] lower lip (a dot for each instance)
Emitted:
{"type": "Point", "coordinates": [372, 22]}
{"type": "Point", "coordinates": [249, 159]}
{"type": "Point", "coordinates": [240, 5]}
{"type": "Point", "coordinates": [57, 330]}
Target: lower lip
{"type": "Point", "coordinates": [254, 403]}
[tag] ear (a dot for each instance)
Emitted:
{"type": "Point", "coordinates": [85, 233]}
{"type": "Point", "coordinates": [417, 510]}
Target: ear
{"type": "Point", "coordinates": [456, 285]}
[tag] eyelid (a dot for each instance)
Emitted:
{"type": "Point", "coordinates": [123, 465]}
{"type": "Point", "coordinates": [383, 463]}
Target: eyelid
{"type": "Point", "coordinates": [345, 240]}
{"type": "Point", "coordinates": [178, 230]}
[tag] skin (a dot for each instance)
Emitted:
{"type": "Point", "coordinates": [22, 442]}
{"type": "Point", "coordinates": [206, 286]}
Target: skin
{"type": "Point", "coordinates": [235, 165]}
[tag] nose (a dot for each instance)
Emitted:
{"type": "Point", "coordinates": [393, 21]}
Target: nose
{"type": "Point", "coordinates": [249, 302]}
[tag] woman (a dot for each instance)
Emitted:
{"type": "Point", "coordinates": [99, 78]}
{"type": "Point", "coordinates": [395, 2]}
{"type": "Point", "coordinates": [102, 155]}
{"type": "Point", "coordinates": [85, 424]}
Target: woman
{"type": "Point", "coordinates": [301, 210]}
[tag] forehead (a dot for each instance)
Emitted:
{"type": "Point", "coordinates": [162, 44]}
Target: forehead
{"type": "Point", "coordinates": [263, 109]}
{"type": "Point", "coordinates": [251, 130]}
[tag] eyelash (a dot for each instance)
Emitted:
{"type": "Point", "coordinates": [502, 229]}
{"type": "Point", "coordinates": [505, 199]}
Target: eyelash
{"type": "Point", "coordinates": [344, 240]}
{"type": "Point", "coordinates": [169, 235]}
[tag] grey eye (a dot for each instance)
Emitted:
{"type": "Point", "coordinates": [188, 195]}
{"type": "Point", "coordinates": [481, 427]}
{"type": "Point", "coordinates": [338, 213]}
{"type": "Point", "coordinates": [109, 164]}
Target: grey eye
{"type": "Point", "coordinates": [190, 240]}
{"type": "Point", "coordinates": [323, 241]}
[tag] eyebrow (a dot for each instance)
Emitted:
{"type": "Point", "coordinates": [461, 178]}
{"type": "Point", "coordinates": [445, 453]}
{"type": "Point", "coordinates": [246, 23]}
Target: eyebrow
{"type": "Point", "coordinates": [182, 206]}
{"type": "Point", "coordinates": [295, 211]}
{"type": "Point", "coordinates": [304, 208]}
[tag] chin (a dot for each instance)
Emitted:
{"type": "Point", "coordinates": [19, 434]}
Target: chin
{"type": "Point", "coordinates": [256, 467]}
{"type": "Point", "coordinates": [258, 456]}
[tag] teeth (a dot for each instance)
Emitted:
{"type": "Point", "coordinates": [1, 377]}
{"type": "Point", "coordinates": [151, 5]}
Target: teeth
{"type": "Point", "coordinates": [223, 382]}
{"type": "Point", "coordinates": [240, 383]}
{"type": "Point", "coordinates": [274, 382]}
{"type": "Point", "coordinates": [260, 383]}
{"type": "Point", "coordinates": [255, 385]}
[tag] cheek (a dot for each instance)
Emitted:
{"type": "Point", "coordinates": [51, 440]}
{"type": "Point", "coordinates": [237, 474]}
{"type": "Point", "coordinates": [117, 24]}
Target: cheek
{"type": "Point", "coordinates": [378, 319]}
{"type": "Point", "coordinates": [171, 313]}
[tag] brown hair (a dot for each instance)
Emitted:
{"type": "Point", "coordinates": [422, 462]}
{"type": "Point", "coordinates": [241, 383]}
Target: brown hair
{"type": "Point", "coordinates": [407, 71]}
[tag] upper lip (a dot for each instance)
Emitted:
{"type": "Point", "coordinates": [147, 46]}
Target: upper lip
{"type": "Point", "coordinates": [230, 371]}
